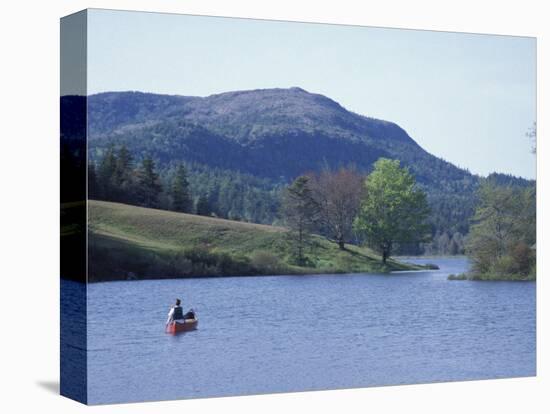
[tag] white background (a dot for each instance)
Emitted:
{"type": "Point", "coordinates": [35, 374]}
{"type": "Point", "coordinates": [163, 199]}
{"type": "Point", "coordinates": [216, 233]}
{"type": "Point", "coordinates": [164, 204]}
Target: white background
{"type": "Point", "coordinates": [29, 190]}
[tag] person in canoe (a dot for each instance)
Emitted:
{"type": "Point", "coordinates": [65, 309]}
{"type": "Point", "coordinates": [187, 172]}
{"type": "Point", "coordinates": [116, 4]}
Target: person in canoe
{"type": "Point", "coordinates": [176, 314]}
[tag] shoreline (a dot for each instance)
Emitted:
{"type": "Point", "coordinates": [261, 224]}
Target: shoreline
{"type": "Point", "coordinates": [413, 268]}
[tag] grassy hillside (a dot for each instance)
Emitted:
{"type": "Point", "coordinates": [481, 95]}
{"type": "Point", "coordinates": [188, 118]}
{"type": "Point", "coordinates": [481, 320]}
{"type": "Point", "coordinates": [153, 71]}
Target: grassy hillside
{"type": "Point", "coordinates": [134, 242]}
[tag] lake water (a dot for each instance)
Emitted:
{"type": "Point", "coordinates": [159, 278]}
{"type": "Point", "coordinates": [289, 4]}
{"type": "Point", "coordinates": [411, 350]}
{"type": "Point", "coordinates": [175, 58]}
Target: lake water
{"type": "Point", "coordinates": [296, 333]}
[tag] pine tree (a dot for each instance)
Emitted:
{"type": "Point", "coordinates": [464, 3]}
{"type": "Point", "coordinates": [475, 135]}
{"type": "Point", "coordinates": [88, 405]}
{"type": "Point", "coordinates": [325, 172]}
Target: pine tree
{"type": "Point", "coordinates": [301, 213]}
{"type": "Point", "coordinates": [106, 173]}
{"type": "Point", "coordinates": [92, 180]}
{"type": "Point", "coordinates": [213, 195]}
{"type": "Point", "coordinates": [181, 195]}
{"type": "Point", "coordinates": [148, 185]}
{"type": "Point", "coordinates": [203, 206]}
{"type": "Point", "coordinates": [123, 175]}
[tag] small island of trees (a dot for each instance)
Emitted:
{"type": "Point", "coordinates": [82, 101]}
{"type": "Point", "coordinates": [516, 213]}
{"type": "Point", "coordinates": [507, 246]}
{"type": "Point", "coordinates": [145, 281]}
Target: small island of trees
{"type": "Point", "coordinates": [502, 240]}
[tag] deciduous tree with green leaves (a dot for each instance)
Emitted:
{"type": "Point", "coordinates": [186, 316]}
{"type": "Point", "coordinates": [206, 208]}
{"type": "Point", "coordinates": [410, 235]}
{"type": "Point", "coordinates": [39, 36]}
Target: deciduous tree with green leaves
{"type": "Point", "coordinates": [393, 210]}
{"type": "Point", "coordinates": [503, 234]}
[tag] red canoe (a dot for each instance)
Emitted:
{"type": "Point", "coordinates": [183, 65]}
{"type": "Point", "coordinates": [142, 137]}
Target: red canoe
{"type": "Point", "coordinates": [188, 325]}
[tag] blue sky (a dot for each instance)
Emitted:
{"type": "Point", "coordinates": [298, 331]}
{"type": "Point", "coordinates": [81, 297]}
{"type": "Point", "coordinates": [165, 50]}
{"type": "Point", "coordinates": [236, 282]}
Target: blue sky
{"type": "Point", "coordinates": [467, 98]}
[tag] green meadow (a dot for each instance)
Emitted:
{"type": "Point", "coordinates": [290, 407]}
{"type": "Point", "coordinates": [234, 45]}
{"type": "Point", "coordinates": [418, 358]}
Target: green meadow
{"type": "Point", "coordinates": [129, 242]}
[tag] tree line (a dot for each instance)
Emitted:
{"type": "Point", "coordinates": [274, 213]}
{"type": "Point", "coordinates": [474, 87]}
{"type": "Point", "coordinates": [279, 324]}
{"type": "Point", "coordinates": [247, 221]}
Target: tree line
{"type": "Point", "coordinates": [445, 243]}
{"type": "Point", "coordinates": [115, 175]}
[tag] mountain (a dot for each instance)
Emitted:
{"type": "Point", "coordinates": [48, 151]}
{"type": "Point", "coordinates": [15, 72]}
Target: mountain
{"type": "Point", "coordinates": [274, 135]}
{"type": "Point", "coordinates": [270, 133]}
